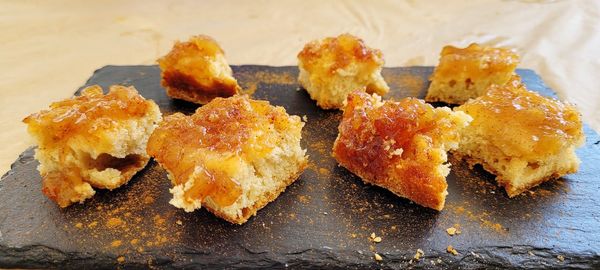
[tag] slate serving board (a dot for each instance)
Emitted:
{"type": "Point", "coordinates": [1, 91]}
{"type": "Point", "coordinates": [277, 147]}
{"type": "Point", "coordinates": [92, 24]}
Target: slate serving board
{"type": "Point", "coordinates": [323, 220]}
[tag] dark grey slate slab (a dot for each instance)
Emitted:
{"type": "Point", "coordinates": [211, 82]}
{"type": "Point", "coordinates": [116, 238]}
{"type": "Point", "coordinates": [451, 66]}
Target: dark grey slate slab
{"type": "Point", "coordinates": [322, 221]}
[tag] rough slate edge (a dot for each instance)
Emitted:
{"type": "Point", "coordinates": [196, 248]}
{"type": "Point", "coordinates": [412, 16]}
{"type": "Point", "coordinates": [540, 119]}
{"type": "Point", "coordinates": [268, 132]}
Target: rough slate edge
{"type": "Point", "coordinates": [305, 258]}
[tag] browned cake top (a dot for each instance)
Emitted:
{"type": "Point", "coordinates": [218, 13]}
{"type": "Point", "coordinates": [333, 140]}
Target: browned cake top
{"type": "Point", "coordinates": [200, 44]}
{"type": "Point", "coordinates": [476, 60]}
{"type": "Point", "coordinates": [523, 122]}
{"type": "Point", "coordinates": [332, 53]}
{"type": "Point", "coordinates": [227, 130]}
{"type": "Point", "coordinates": [370, 134]}
{"type": "Point", "coordinates": [86, 114]}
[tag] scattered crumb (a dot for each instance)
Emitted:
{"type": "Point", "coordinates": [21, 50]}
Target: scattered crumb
{"type": "Point", "coordinates": [120, 259]}
{"type": "Point", "coordinates": [353, 235]}
{"type": "Point", "coordinates": [305, 118]}
{"type": "Point", "coordinates": [378, 257]}
{"type": "Point", "coordinates": [116, 243]}
{"type": "Point", "coordinates": [439, 260]}
{"type": "Point", "coordinates": [375, 238]}
{"type": "Point", "coordinates": [561, 258]}
{"type": "Point", "coordinates": [451, 249]}
{"type": "Point", "coordinates": [179, 222]}
{"type": "Point", "coordinates": [419, 254]}
{"type": "Point", "coordinates": [134, 241]}
{"type": "Point", "coordinates": [531, 253]}
{"type": "Point", "coordinates": [452, 231]}
{"type": "Point", "coordinates": [79, 225]}
{"type": "Point", "coordinates": [93, 224]}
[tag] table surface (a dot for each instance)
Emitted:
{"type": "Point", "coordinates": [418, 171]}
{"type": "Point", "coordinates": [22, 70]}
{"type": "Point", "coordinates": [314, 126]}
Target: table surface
{"type": "Point", "coordinates": [323, 220]}
{"type": "Point", "coordinates": [49, 48]}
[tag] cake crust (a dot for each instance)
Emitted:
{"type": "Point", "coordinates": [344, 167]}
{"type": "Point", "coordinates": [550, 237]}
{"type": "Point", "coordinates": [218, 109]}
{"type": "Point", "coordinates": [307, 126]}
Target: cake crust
{"type": "Point", "coordinates": [399, 145]}
{"type": "Point", "coordinates": [196, 71]}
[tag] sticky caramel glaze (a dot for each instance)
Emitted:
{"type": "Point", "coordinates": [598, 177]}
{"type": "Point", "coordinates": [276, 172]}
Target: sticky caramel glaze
{"type": "Point", "coordinates": [368, 133]}
{"type": "Point", "coordinates": [187, 73]}
{"type": "Point", "coordinates": [224, 128]}
{"type": "Point", "coordinates": [86, 114]}
{"type": "Point", "coordinates": [524, 123]}
{"type": "Point", "coordinates": [333, 53]}
{"type": "Point", "coordinates": [475, 60]}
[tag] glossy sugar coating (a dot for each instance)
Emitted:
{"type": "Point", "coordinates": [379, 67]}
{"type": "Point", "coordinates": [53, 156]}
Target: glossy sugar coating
{"type": "Point", "coordinates": [206, 153]}
{"type": "Point", "coordinates": [521, 136]}
{"type": "Point", "coordinates": [465, 73]}
{"type": "Point", "coordinates": [399, 145]}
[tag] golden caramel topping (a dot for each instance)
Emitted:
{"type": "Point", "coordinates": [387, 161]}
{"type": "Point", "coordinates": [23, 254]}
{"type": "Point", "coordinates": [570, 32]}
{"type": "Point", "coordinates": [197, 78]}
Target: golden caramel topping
{"type": "Point", "coordinates": [330, 54]}
{"type": "Point", "coordinates": [532, 125]}
{"type": "Point", "coordinates": [475, 60]}
{"type": "Point", "coordinates": [196, 71]}
{"type": "Point", "coordinates": [210, 143]}
{"type": "Point", "coordinates": [86, 114]}
{"type": "Point", "coordinates": [393, 144]}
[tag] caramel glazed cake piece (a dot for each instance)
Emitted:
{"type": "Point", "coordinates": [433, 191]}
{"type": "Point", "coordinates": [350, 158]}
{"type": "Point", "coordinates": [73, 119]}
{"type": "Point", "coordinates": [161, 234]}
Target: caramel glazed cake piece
{"type": "Point", "coordinates": [93, 140]}
{"type": "Point", "coordinates": [196, 71]}
{"type": "Point", "coordinates": [467, 73]}
{"type": "Point", "coordinates": [333, 67]}
{"type": "Point", "coordinates": [399, 145]}
{"type": "Point", "coordinates": [233, 156]}
{"type": "Point", "coordinates": [520, 136]}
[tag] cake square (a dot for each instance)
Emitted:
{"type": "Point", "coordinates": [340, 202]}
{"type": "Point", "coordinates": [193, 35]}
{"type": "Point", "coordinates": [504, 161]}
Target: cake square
{"type": "Point", "coordinates": [92, 141]}
{"type": "Point", "coordinates": [197, 71]}
{"type": "Point", "coordinates": [520, 136]}
{"type": "Point", "coordinates": [233, 156]}
{"type": "Point", "coordinates": [399, 145]}
{"type": "Point", "coordinates": [465, 73]}
{"type": "Point", "coordinates": [333, 67]}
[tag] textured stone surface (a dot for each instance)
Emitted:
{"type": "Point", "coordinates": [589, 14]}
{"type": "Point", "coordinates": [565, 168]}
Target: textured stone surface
{"type": "Point", "coordinates": [323, 220]}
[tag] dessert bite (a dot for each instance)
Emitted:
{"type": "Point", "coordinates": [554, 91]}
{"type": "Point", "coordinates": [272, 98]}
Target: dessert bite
{"type": "Point", "coordinates": [399, 145]}
{"type": "Point", "coordinates": [467, 73]}
{"type": "Point", "coordinates": [233, 156]}
{"type": "Point", "coordinates": [333, 67]}
{"type": "Point", "coordinates": [520, 136]}
{"type": "Point", "coordinates": [196, 71]}
{"type": "Point", "coordinates": [92, 141]}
